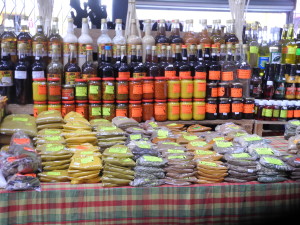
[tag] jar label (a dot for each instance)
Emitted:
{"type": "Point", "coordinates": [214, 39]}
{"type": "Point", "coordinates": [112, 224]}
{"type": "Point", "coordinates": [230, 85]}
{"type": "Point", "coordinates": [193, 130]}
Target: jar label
{"type": "Point", "coordinates": [71, 76]}
{"type": "Point", "coordinates": [54, 90]}
{"type": "Point", "coordinates": [237, 107]}
{"type": "Point", "coordinates": [81, 91]}
{"type": "Point", "coordinates": [6, 78]}
{"type": "Point", "coordinates": [176, 88]}
{"type": "Point", "coordinates": [136, 112]}
{"type": "Point", "coordinates": [122, 89]}
{"type": "Point", "coordinates": [284, 50]}
{"type": "Point", "coordinates": [82, 50]}
{"type": "Point", "coordinates": [184, 74]}
{"type": "Point", "coordinates": [37, 74]}
{"type": "Point", "coordinates": [248, 108]}
{"type": "Point", "coordinates": [277, 111]}
{"type": "Point", "coordinates": [148, 88]}
{"type": "Point", "coordinates": [236, 92]}
{"type": "Point", "coordinates": [296, 113]}
{"type": "Point", "coordinates": [109, 89]}
{"type": "Point", "coordinates": [227, 76]}
{"type": "Point", "coordinates": [186, 109]}
{"type": "Point", "coordinates": [214, 92]}
{"type": "Point", "coordinates": [244, 74]}
{"type": "Point", "coordinates": [221, 91]}
{"type": "Point", "coordinates": [290, 91]}
{"type": "Point", "coordinates": [298, 51]}
{"type": "Point", "coordinates": [106, 111]}
{"type": "Point", "coordinates": [200, 109]}
{"type": "Point", "coordinates": [43, 43]}
{"type": "Point", "coordinates": [176, 109]}
{"type": "Point", "coordinates": [96, 111]}
{"type": "Point", "coordinates": [201, 86]}
{"type": "Point", "coordinates": [80, 110]}
{"type": "Point", "coordinates": [190, 88]}
{"type": "Point", "coordinates": [67, 93]}
{"type": "Point", "coordinates": [224, 108]}
{"type": "Point", "coordinates": [42, 89]}
{"type": "Point", "coordinates": [121, 112]}
{"type": "Point", "coordinates": [214, 75]}
{"type": "Point", "coordinates": [200, 75]}
{"type": "Point", "coordinates": [268, 113]}
{"type": "Point", "coordinates": [137, 89]}
{"type": "Point", "coordinates": [211, 108]}
{"type": "Point", "coordinates": [170, 74]}
{"type": "Point", "coordinates": [66, 48]}
{"type": "Point", "coordinates": [94, 89]}
{"type": "Point", "coordinates": [53, 75]}
{"type": "Point", "coordinates": [124, 75]}
{"type": "Point", "coordinates": [290, 114]}
{"type": "Point", "coordinates": [160, 110]}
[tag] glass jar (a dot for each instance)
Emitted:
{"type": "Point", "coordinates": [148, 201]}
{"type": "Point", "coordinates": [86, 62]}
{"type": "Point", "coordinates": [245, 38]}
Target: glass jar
{"type": "Point", "coordinates": [67, 106]}
{"type": "Point", "coordinates": [199, 109]}
{"type": "Point", "coordinates": [211, 109]}
{"type": "Point", "coordinates": [199, 88]}
{"type": "Point", "coordinates": [39, 107]}
{"type": "Point", "coordinates": [223, 90]}
{"type": "Point", "coordinates": [95, 110]}
{"type": "Point", "coordinates": [82, 107]}
{"type": "Point", "coordinates": [160, 110]}
{"type": "Point", "coordinates": [135, 89]}
{"type": "Point", "coordinates": [148, 88]}
{"type": "Point", "coordinates": [122, 89]}
{"type": "Point", "coordinates": [108, 110]}
{"type": "Point", "coordinates": [135, 110]}
{"type": "Point", "coordinates": [94, 89]}
{"type": "Point", "coordinates": [224, 109]}
{"type": "Point", "coordinates": [186, 88]}
{"type": "Point", "coordinates": [39, 89]}
{"type": "Point", "coordinates": [212, 90]}
{"type": "Point", "coordinates": [54, 105]}
{"type": "Point", "coordinates": [122, 108]}
{"type": "Point", "coordinates": [174, 88]}
{"type": "Point", "coordinates": [237, 108]}
{"type": "Point", "coordinates": [186, 109]}
{"type": "Point", "coordinates": [160, 88]}
{"type": "Point", "coordinates": [147, 109]}
{"type": "Point", "coordinates": [248, 111]}
{"type": "Point", "coordinates": [81, 90]}
{"type": "Point", "coordinates": [108, 89]}
{"type": "Point", "coordinates": [67, 92]}
{"type": "Point", "coordinates": [173, 109]}
{"type": "Point", "coordinates": [236, 90]}
{"type": "Point", "coordinates": [54, 89]}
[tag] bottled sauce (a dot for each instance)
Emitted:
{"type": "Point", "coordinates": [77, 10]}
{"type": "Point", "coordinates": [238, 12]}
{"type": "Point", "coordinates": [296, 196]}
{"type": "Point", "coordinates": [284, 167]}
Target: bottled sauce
{"type": "Point", "coordinates": [216, 36]}
{"type": "Point", "coordinates": [224, 109]}
{"type": "Point", "coordinates": [214, 68]}
{"type": "Point", "coordinates": [283, 41]}
{"type": "Point", "coordinates": [237, 56]}
{"type": "Point", "coordinates": [107, 69]}
{"type": "Point", "coordinates": [223, 90]}
{"type": "Point", "coordinates": [67, 92]}
{"type": "Point", "coordinates": [175, 38]}
{"type": "Point", "coordinates": [67, 106]}
{"type": "Point", "coordinates": [253, 46]}
{"type": "Point", "coordinates": [198, 109]}
{"type": "Point", "coordinates": [192, 59]}
{"type": "Point", "coordinates": [133, 38]}
{"type": "Point", "coordinates": [154, 69]}
{"type": "Point", "coordinates": [39, 107]}
{"type": "Point", "coordinates": [148, 88]}
{"type": "Point", "coordinates": [259, 113]}
{"type": "Point", "coordinates": [135, 89]}
{"type": "Point", "coordinates": [228, 73]}
{"type": "Point", "coordinates": [82, 107]}
{"type": "Point", "coordinates": [169, 68]}
{"type": "Point", "coordinates": [256, 84]}
{"type": "Point", "coordinates": [263, 51]}
{"type": "Point", "coordinates": [291, 47]}
{"type": "Point", "coordinates": [89, 69]}
{"type": "Point", "coordinates": [148, 109]}
{"type": "Point", "coordinates": [135, 110]}
{"type": "Point", "coordinates": [148, 39]}
{"type": "Point", "coordinates": [237, 108]}
{"type": "Point", "coordinates": [83, 40]}
{"type": "Point", "coordinates": [38, 67]}
{"type": "Point", "coordinates": [54, 105]}
{"type": "Point", "coordinates": [104, 38]}
{"type": "Point", "coordinates": [269, 90]}
{"type": "Point", "coordinates": [138, 69]}
{"type": "Point", "coordinates": [283, 112]}
{"type": "Point", "coordinates": [69, 38]}
{"type": "Point", "coordinates": [161, 38]}
{"type": "Point", "coordinates": [55, 38]}
{"type": "Point", "coordinates": [212, 90]}
{"type": "Point", "coordinates": [186, 109]}
{"type": "Point", "coordinates": [200, 68]}
{"type": "Point", "coordinates": [10, 37]}
{"type": "Point", "coordinates": [25, 37]}
{"type": "Point", "coordinates": [40, 38]}
{"type": "Point", "coordinates": [186, 87]}
{"type": "Point", "coordinates": [6, 72]}
{"type": "Point", "coordinates": [160, 88]}
{"type": "Point", "coordinates": [81, 89]}
{"type": "Point", "coordinates": [275, 47]}
{"type": "Point", "coordinates": [291, 83]}
{"type": "Point", "coordinates": [248, 108]}
{"type": "Point", "coordinates": [163, 58]}
{"type": "Point", "coordinates": [231, 37]}
{"type": "Point", "coordinates": [280, 83]}
{"type": "Point", "coordinates": [160, 110]}
{"type": "Point", "coordinates": [72, 69]}
{"type": "Point", "coordinates": [223, 54]}
{"type": "Point", "coordinates": [94, 89]}
{"type": "Point", "coordinates": [108, 89]}
{"type": "Point", "coordinates": [181, 63]}
{"type": "Point", "coordinates": [173, 88]}
{"type": "Point", "coordinates": [290, 110]}
{"type": "Point", "coordinates": [55, 68]}
{"type": "Point", "coordinates": [244, 74]}
{"type": "Point", "coordinates": [236, 90]}
{"type": "Point", "coordinates": [199, 88]}
{"type": "Point", "coordinates": [276, 110]}
{"type": "Point", "coordinates": [297, 111]}
{"type": "Point", "coordinates": [173, 109]}
{"type": "Point", "coordinates": [124, 69]}
{"type": "Point", "coordinates": [119, 39]}
{"type": "Point", "coordinates": [189, 37]}
{"type": "Point", "coordinates": [211, 109]}
{"type": "Point", "coordinates": [122, 108]}
{"type": "Point", "coordinates": [268, 111]}
{"type": "Point", "coordinates": [204, 38]}
{"type": "Point", "coordinates": [54, 89]}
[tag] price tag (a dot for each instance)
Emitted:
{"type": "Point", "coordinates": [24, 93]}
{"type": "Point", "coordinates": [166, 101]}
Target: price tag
{"type": "Point", "coordinates": [241, 155]}
{"type": "Point", "coordinates": [152, 158]}
{"type": "Point", "coordinates": [208, 163]}
{"type": "Point", "coordinates": [121, 150]}
{"type": "Point", "coordinates": [274, 161]}
{"type": "Point", "coordinates": [53, 173]}
{"type": "Point", "coordinates": [135, 136]}
{"type": "Point", "coordinates": [162, 133]}
{"type": "Point", "coordinates": [20, 119]}
{"type": "Point", "coordinates": [52, 131]}
{"type": "Point", "coordinates": [223, 144]}
{"type": "Point", "coordinates": [190, 138]}
{"type": "Point", "coordinates": [264, 151]}
{"type": "Point", "coordinates": [198, 143]}
{"type": "Point", "coordinates": [175, 151]}
{"type": "Point", "coordinates": [252, 138]}
{"type": "Point", "coordinates": [87, 160]}
{"type": "Point", "coordinates": [203, 152]}
{"type": "Point", "coordinates": [177, 157]}
{"type": "Point", "coordinates": [87, 153]}
{"type": "Point", "coordinates": [53, 138]}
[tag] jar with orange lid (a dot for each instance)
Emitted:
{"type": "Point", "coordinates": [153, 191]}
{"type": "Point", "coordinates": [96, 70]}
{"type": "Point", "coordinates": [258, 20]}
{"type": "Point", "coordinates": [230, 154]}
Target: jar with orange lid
{"type": "Point", "coordinates": [147, 109]}
{"type": "Point", "coordinates": [39, 89]}
{"type": "Point", "coordinates": [122, 89]}
{"type": "Point", "coordinates": [54, 105]}
{"type": "Point", "coordinates": [160, 110]}
{"type": "Point", "coordinates": [95, 110]}
{"type": "Point", "coordinates": [39, 107]}
{"type": "Point", "coordinates": [54, 89]}
{"type": "Point", "coordinates": [173, 109]}
{"type": "Point", "coordinates": [108, 89]}
{"type": "Point", "coordinates": [135, 89]}
{"type": "Point", "coordinates": [186, 109]}
{"type": "Point", "coordinates": [81, 89]}
{"type": "Point", "coordinates": [82, 107]}
{"type": "Point", "coordinates": [94, 89]}
{"type": "Point", "coordinates": [67, 106]}
{"type": "Point", "coordinates": [173, 88]}
{"type": "Point", "coordinates": [160, 88]}
{"type": "Point", "coordinates": [224, 109]}
{"type": "Point", "coordinates": [148, 88]}
{"type": "Point", "coordinates": [199, 109]}
{"type": "Point", "coordinates": [199, 88]}
{"type": "Point", "coordinates": [108, 110]}
{"type": "Point", "coordinates": [186, 87]}
{"type": "Point", "coordinates": [122, 108]}
{"type": "Point", "coordinates": [135, 110]}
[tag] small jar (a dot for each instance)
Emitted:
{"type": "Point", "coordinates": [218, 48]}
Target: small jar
{"type": "Point", "coordinates": [135, 89]}
{"type": "Point", "coordinates": [148, 109]}
{"type": "Point", "coordinates": [54, 89]}
{"type": "Point", "coordinates": [211, 109]}
{"type": "Point", "coordinates": [94, 89]}
{"type": "Point", "coordinates": [122, 108]}
{"type": "Point", "coordinates": [186, 88]}
{"type": "Point", "coordinates": [237, 108]}
{"type": "Point", "coordinates": [223, 90]}
{"type": "Point", "coordinates": [82, 107]}
{"type": "Point", "coordinates": [173, 109]}
{"type": "Point", "coordinates": [135, 110]}
{"type": "Point", "coordinates": [199, 109]}
{"type": "Point", "coordinates": [248, 111]}
{"type": "Point", "coordinates": [212, 90]}
{"type": "Point", "coordinates": [186, 109]}
{"type": "Point", "coordinates": [173, 88]}
{"type": "Point", "coordinates": [81, 90]}
{"type": "Point", "coordinates": [236, 90]}
{"type": "Point", "coordinates": [54, 105]}
{"type": "Point", "coordinates": [108, 110]}
{"type": "Point", "coordinates": [160, 110]}
{"type": "Point", "coordinates": [148, 88]}
{"type": "Point", "coordinates": [224, 109]}
{"type": "Point", "coordinates": [160, 88]}
{"type": "Point", "coordinates": [68, 92]}
{"type": "Point", "coordinates": [67, 106]}
{"type": "Point", "coordinates": [39, 107]}
{"type": "Point", "coordinates": [122, 89]}
{"type": "Point", "coordinates": [199, 88]}
{"type": "Point", "coordinates": [39, 89]}
{"type": "Point", "coordinates": [95, 110]}
{"type": "Point", "coordinates": [108, 89]}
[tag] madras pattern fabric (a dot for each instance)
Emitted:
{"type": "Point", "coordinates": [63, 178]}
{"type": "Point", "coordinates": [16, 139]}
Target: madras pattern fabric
{"type": "Point", "coordinates": [223, 203]}
{"type": "Point", "coordinates": [278, 142]}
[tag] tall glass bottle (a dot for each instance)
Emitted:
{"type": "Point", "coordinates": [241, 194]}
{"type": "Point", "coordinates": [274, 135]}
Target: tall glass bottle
{"type": "Point", "coordinates": [204, 38]}
{"type": "Point", "coordinates": [89, 69]}
{"type": "Point", "coordinates": [38, 67]}
{"type": "Point", "coordinates": [133, 38]}
{"type": "Point", "coordinates": [256, 83]}
{"type": "Point", "coordinates": [253, 46]}
{"type": "Point", "coordinates": [231, 38]}
{"type": "Point", "coordinates": [104, 38]}
{"type": "Point", "coordinates": [25, 37]}
{"type": "Point", "coordinates": [119, 38]}
{"type": "Point", "coordinates": [148, 39]}
{"type": "Point", "coordinates": [175, 38]}
{"type": "Point", "coordinates": [189, 37]}
{"type": "Point", "coordinates": [228, 71]}
{"type": "Point", "coordinates": [237, 56]}
{"type": "Point", "coordinates": [139, 69]}
{"type": "Point", "coordinates": [107, 69]}
{"type": "Point", "coordinates": [154, 69]}
{"type": "Point", "coordinates": [192, 59]}
{"type": "Point", "coordinates": [291, 82]}
{"type": "Point", "coordinates": [10, 37]}
{"type": "Point", "coordinates": [200, 68]}
{"type": "Point", "coordinates": [263, 51]}
{"type": "Point", "coordinates": [72, 69]}
{"type": "Point", "coordinates": [69, 39]}
{"type": "Point", "coordinates": [83, 40]}
{"type": "Point", "coordinates": [275, 47]}
{"type": "Point", "coordinates": [216, 36]}
{"type": "Point", "coordinates": [244, 73]}
{"type": "Point", "coordinates": [55, 38]}
{"type": "Point", "coordinates": [214, 74]}
{"type": "Point", "coordinates": [183, 66]}
{"type": "Point", "coordinates": [169, 69]}
{"type": "Point", "coordinates": [298, 47]}
{"type": "Point", "coordinates": [40, 38]}
{"type": "Point", "coordinates": [124, 69]}
{"type": "Point", "coordinates": [283, 42]}
{"type": "Point", "coordinates": [161, 38]}
{"type": "Point", "coordinates": [223, 53]}
{"type": "Point", "coordinates": [55, 67]}
{"type": "Point", "coordinates": [280, 83]}
{"type": "Point", "coordinates": [291, 46]}
{"type": "Point", "coordinates": [6, 72]}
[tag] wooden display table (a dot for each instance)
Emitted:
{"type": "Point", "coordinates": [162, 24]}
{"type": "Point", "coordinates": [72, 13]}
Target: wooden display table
{"type": "Point", "coordinates": [258, 125]}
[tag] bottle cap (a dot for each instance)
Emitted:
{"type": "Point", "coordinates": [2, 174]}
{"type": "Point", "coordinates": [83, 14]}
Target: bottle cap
{"type": "Point", "coordinates": [119, 21]}
{"type": "Point", "coordinates": [70, 20]}
{"type": "Point", "coordinates": [84, 20]}
{"type": "Point", "coordinates": [107, 47]}
{"type": "Point", "coordinates": [55, 19]}
{"type": "Point", "coordinates": [104, 21]}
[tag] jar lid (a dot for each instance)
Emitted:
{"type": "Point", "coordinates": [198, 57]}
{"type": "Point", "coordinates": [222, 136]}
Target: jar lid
{"type": "Point", "coordinates": [223, 84]}
{"type": "Point", "coordinates": [147, 78]}
{"type": "Point", "coordinates": [95, 78]}
{"type": "Point", "coordinates": [54, 102]}
{"type": "Point", "coordinates": [186, 99]}
{"type": "Point", "coordinates": [147, 100]}
{"type": "Point", "coordinates": [42, 102]}
{"type": "Point", "coordinates": [224, 99]}
{"type": "Point", "coordinates": [121, 101]}
{"type": "Point", "coordinates": [135, 102]}
{"type": "Point", "coordinates": [135, 78]}
{"type": "Point", "coordinates": [160, 78]}
{"type": "Point", "coordinates": [40, 79]}
{"type": "Point", "coordinates": [80, 80]}
{"type": "Point", "coordinates": [96, 102]}
{"type": "Point", "coordinates": [54, 79]}
{"type": "Point", "coordinates": [81, 101]}
{"type": "Point", "coordinates": [237, 99]}
{"type": "Point", "coordinates": [233, 84]}
{"type": "Point", "coordinates": [199, 99]}
{"type": "Point", "coordinates": [108, 101]}
{"type": "Point", "coordinates": [173, 100]}
{"type": "Point", "coordinates": [108, 78]}
{"type": "Point", "coordinates": [68, 102]}
{"type": "Point", "coordinates": [186, 78]}
{"type": "Point", "coordinates": [122, 79]}
{"type": "Point", "coordinates": [68, 86]}
{"type": "Point", "coordinates": [173, 78]}
{"type": "Point", "coordinates": [211, 84]}
{"type": "Point", "coordinates": [211, 99]}
{"type": "Point", "coordinates": [160, 100]}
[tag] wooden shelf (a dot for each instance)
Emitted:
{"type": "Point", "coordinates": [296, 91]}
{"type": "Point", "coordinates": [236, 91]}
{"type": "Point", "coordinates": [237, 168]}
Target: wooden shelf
{"type": "Point", "coordinates": [259, 125]}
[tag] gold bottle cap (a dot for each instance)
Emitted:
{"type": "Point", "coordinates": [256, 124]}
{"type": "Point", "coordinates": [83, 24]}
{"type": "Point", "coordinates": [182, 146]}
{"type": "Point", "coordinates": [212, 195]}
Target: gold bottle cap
{"type": "Point", "coordinates": [55, 19]}
{"type": "Point", "coordinates": [103, 20]}
{"type": "Point", "coordinates": [84, 20]}
{"type": "Point", "coordinates": [118, 20]}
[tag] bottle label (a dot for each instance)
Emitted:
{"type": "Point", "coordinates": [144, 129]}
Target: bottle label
{"type": "Point", "coordinates": [290, 113]}
{"type": "Point", "coordinates": [248, 108]}
{"type": "Point", "coordinates": [148, 88]}
{"type": "Point", "coordinates": [96, 111]}
{"type": "Point", "coordinates": [44, 48]}
{"type": "Point", "coordinates": [20, 74]}
{"type": "Point", "coordinates": [6, 78]}
{"type": "Point", "coordinates": [244, 74]}
{"type": "Point", "coordinates": [42, 89]}
{"type": "Point", "coordinates": [50, 43]}
{"type": "Point", "coordinates": [253, 50]}
{"type": "Point", "coordinates": [114, 48]}
{"type": "Point", "coordinates": [298, 51]}
{"type": "Point", "coordinates": [71, 76]}
{"type": "Point", "coordinates": [190, 88]}
{"type": "Point", "coordinates": [173, 47]}
{"type": "Point", "coordinates": [80, 91]}
{"type": "Point", "coordinates": [201, 86]}
{"type": "Point", "coordinates": [284, 50]}
{"type": "Point", "coordinates": [214, 92]}
{"type": "Point", "coordinates": [276, 113]}
{"type": "Point", "coordinates": [297, 113]}
{"type": "Point", "coordinates": [158, 48]}
{"type": "Point", "coordinates": [211, 108]}
{"type": "Point", "coordinates": [124, 75]}
{"type": "Point", "coordinates": [200, 75]}
{"type": "Point", "coordinates": [262, 60]}
{"type": "Point", "coordinates": [38, 74]}
{"type": "Point", "coordinates": [280, 90]}
{"type": "Point", "coordinates": [82, 50]}
{"type": "Point", "coordinates": [175, 109]}
{"type": "Point", "coordinates": [200, 109]}
{"type": "Point", "coordinates": [123, 89]}
{"type": "Point", "coordinates": [275, 57]}
{"type": "Point", "coordinates": [87, 76]}
{"type": "Point", "coordinates": [290, 91]}
{"type": "Point", "coordinates": [184, 74]}
{"type": "Point", "coordinates": [137, 89]}
{"type": "Point", "coordinates": [224, 108]}
{"type": "Point", "coordinates": [54, 90]}
{"type": "Point", "coordinates": [227, 76]}
{"type": "Point", "coordinates": [160, 110]}
{"type": "Point", "coordinates": [257, 90]}
{"type": "Point", "coordinates": [109, 89]}
{"type": "Point", "coordinates": [66, 47]}
{"type": "Point", "coordinates": [237, 107]}
{"type": "Point", "coordinates": [268, 113]}
{"type": "Point", "coordinates": [105, 111]}
{"type": "Point", "coordinates": [236, 92]}
{"type": "Point", "coordinates": [214, 75]}
{"type": "Point", "coordinates": [121, 112]}
{"type": "Point", "coordinates": [28, 46]}
{"type": "Point", "coordinates": [263, 112]}
{"type": "Point", "coordinates": [283, 113]}
{"type": "Point", "coordinates": [136, 112]}
{"type": "Point", "coordinates": [12, 47]}
{"type": "Point", "coordinates": [221, 91]}
{"type": "Point", "coordinates": [170, 74]}
{"type": "Point", "coordinates": [291, 50]}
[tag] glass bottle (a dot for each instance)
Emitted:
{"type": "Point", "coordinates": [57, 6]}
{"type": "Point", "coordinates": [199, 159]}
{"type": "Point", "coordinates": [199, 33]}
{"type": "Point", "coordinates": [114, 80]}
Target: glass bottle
{"type": "Point", "coordinates": [298, 47]}
{"type": "Point", "coordinates": [55, 68]}
{"type": "Point", "coordinates": [133, 38]}
{"type": "Point", "coordinates": [119, 38]}
{"type": "Point", "coordinates": [148, 39]}
{"type": "Point", "coordinates": [25, 37]}
{"type": "Point", "coordinates": [175, 38]}
{"type": "Point", "coordinates": [89, 69]}
{"type": "Point", "coordinates": [204, 38]}
{"type": "Point", "coordinates": [6, 72]}
{"type": "Point", "coordinates": [40, 38]}
{"type": "Point", "coordinates": [256, 84]}
{"type": "Point", "coordinates": [223, 54]}
{"type": "Point", "coordinates": [163, 58]}
{"type": "Point", "coordinates": [200, 68]}
{"type": "Point", "coordinates": [253, 46]}
{"type": "Point", "coordinates": [263, 51]}
{"type": "Point", "coordinates": [183, 66]}
{"type": "Point", "coordinates": [268, 90]}
{"type": "Point", "coordinates": [244, 74]}
{"type": "Point", "coordinates": [275, 47]}
{"type": "Point", "coordinates": [169, 69]}
{"type": "Point", "coordinates": [228, 72]}
{"type": "Point", "coordinates": [10, 37]}
{"type": "Point", "coordinates": [55, 38]}
{"type": "Point", "coordinates": [237, 56]}
{"type": "Point", "coordinates": [161, 38]}
{"type": "Point", "coordinates": [216, 36]}
{"type": "Point", "coordinates": [138, 69]}
{"type": "Point", "coordinates": [283, 42]}
{"type": "Point", "coordinates": [291, 82]}
{"type": "Point", "coordinates": [38, 67]}
{"type": "Point", "coordinates": [83, 40]}
{"type": "Point", "coordinates": [72, 69]}
{"type": "Point", "coordinates": [280, 83]}
{"type": "Point", "coordinates": [104, 38]}
{"type": "Point", "coordinates": [231, 38]}
{"type": "Point", "coordinates": [214, 74]}
{"type": "Point", "coordinates": [154, 69]}
{"type": "Point", "coordinates": [192, 62]}
{"type": "Point", "coordinates": [189, 37]}
{"type": "Point", "coordinates": [124, 69]}
{"type": "Point", "coordinates": [107, 70]}
{"type": "Point", "coordinates": [291, 46]}
{"type": "Point", "coordinates": [69, 38]}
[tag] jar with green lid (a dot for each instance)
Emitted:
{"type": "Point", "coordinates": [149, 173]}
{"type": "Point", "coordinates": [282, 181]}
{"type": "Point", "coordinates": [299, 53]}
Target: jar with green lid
{"type": "Point", "coordinates": [108, 110]}
{"type": "Point", "coordinates": [199, 88]}
{"type": "Point", "coordinates": [108, 89]}
{"type": "Point", "coordinates": [173, 88]}
{"type": "Point", "coordinates": [39, 89]}
{"type": "Point", "coordinates": [39, 107]}
{"type": "Point", "coordinates": [199, 109]}
{"type": "Point", "coordinates": [82, 107]}
{"type": "Point", "coordinates": [173, 109]}
{"type": "Point", "coordinates": [186, 88]}
{"type": "Point", "coordinates": [54, 89]}
{"type": "Point", "coordinates": [122, 89]}
{"type": "Point", "coordinates": [81, 90]}
{"type": "Point", "coordinates": [186, 109]}
{"type": "Point", "coordinates": [95, 110]}
{"type": "Point", "coordinates": [67, 106]}
{"type": "Point", "coordinates": [54, 105]}
{"type": "Point", "coordinates": [94, 89]}
{"type": "Point", "coordinates": [122, 108]}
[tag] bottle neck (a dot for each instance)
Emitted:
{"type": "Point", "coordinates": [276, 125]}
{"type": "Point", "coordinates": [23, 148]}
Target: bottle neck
{"type": "Point", "coordinates": [133, 30]}
{"type": "Point", "coordinates": [169, 56]}
{"type": "Point", "coordinates": [54, 29]}
{"type": "Point", "coordinates": [73, 57]}
{"type": "Point", "coordinates": [85, 28]}
{"type": "Point", "coordinates": [175, 29]}
{"type": "Point", "coordinates": [207, 54]}
{"type": "Point", "coordinates": [184, 54]}
{"type": "Point", "coordinates": [147, 29]}
{"type": "Point", "coordinates": [40, 29]}
{"type": "Point", "coordinates": [229, 55]}
{"type": "Point", "coordinates": [178, 56]}
{"type": "Point", "coordinates": [123, 56]}
{"type": "Point", "coordinates": [70, 29]}
{"type": "Point", "coordinates": [139, 55]}
{"type": "Point", "coordinates": [214, 55]}
{"type": "Point", "coordinates": [4, 54]}
{"type": "Point", "coordinates": [118, 29]}
{"type": "Point", "coordinates": [38, 54]}
{"type": "Point", "coordinates": [161, 29]}
{"type": "Point", "coordinates": [163, 56]}
{"type": "Point", "coordinates": [107, 56]}
{"type": "Point", "coordinates": [199, 55]}
{"type": "Point", "coordinates": [89, 56]}
{"type": "Point", "coordinates": [104, 28]}
{"type": "Point", "coordinates": [55, 57]}
{"type": "Point", "coordinates": [148, 55]}
{"type": "Point", "coordinates": [154, 57]}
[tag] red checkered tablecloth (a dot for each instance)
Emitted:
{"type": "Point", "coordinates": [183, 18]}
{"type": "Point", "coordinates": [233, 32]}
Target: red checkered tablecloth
{"type": "Point", "coordinates": [278, 142]}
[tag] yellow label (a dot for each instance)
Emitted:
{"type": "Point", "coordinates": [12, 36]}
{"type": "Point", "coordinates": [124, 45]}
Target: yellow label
{"type": "Point", "coordinates": [71, 76]}
{"type": "Point", "coordinates": [44, 48]}
{"type": "Point", "coordinates": [87, 160]}
{"type": "Point", "coordinates": [53, 173]}
{"type": "Point", "coordinates": [6, 78]}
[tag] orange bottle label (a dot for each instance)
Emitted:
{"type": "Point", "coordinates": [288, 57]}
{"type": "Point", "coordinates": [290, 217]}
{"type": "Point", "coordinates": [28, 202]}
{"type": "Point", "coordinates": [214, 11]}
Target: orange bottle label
{"type": "Point", "coordinates": [71, 76]}
{"type": "Point", "coordinates": [66, 47]}
{"type": "Point", "coordinates": [123, 89]}
{"type": "Point", "coordinates": [236, 92]}
{"type": "Point", "coordinates": [190, 88]}
{"type": "Point", "coordinates": [160, 110]}
{"type": "Point", "coordinates": [138, 75]}
{"type": "Point", "coordinates": [290, 90]}
{"type": "Point", "coordinates": [221, 91]}
{"type": "Point", "coordinates": [170, 73]}
{"type": "Point", "coordinates": [137, 89]}
{"type": "Point", "coordinates": [284, 50]}
{"type": "Point", "coordinates": [86, 76]}
{"type": "Point", "coordinates": [200, 75]}
{"type": "Point", "coordinates": [42, 89]}
{"type": "Point", "coordinates": [80, 110]}
{"type": "Point", "coordinates": [214, 75]}
{"type": "Point", "coordinates": [201, 86]}
{"type": "Point", "coordinates": [297, 113]}
{"type": "Point", "coordinates": [136, 112]}
{"type": "Point", "coordinates": [148, 88]}
{"type": "Point", "coordinates": [200, 109]}
{"type": "Point", "coordinates": [176, 88]}
{"type": "Point", "coordinates": [176, 110]}
{"type": "Point", "coordinates": [54, 90]}
{"type": "Point", "coordinates": [63, 111]}
{"type": "Point", "coordinates": [185, 74]}
{"type": "Point", "coordinates": [224, 108]}
{"type": "Point", "coordinates": [124, 75]}
{"type": "Point", "coordinates": [248, 108]}
{"type": "Point", "coordinates": [187, 109]}
{"type": "Point", "coordinates": [290, 114]}
{"type": "Point", "coordinates": [214, 92]}
{"type": "Point", "coordinates": [227, 76]}
{"type": "Point", "coordinates": [244, 74]}
{"type": "Point", "coordinates": [121, 112]}
{"type": "Point", "coordinates": [237, 107]}
{"type": "Point", "coordinates": [211, 108]}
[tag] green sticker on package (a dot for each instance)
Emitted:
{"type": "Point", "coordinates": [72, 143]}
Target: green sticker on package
{"type": "Point", "coordinates": [52, 131]}
{"type": "Point", "coordinates": [106, 111]}
{"type": "Point", "coordinates": [143, 145]}
{"type": "Point", "coordinates": [87, 160]}
{"type": "Point", "coordinates": [135, 136]}
{"type": "Point", "coordinates": [198, 143]}
{"type": "Point", "coordinates": [208, 163]}
{"type": "Point", "coordinates": [264, 151]}
{"type": "Point", "coordinates": [153, 124]}
{"type": "Point", "coordinates": [175, 151]}
{"type": "Point", "coordinates": [223, 144]}
{"type": "Point", "coordinates": [177, 157]}
{"type": "Point", "coordinates": [53, 173]}
{"type": "Point", "coordinates": [241, 155]}
{"type": "Point", "coordinates": [120, 150]}
{"type": "Point", "coordinates": [152, 158]}
{"type": "Point", "coordinates": [52, 138]}
{"type": "Point", "coordinates": [87, 153]}
{"type": "Point", "coordinates": [190, 137]}
{"type": "Point", "coordinates": [273, 161]}
{"type": "Point", "coordinates": [240, 134]}
{"type": "Point", "coordinates": [81, 91]}
{"type": "Point", "coordinates": [256, 138]}
{"type": "Point", "coordinates": [162, 133]}
{"type": "Point", "coordinates": [20, 119]}
{"type": "Point", "coordinates": [49, 112]}
{"type": "Point", "coordinates": [172, 124]}
{"type": "Point", "coordinates": [108, 128]}
{"type": "Point", "coordinates": [203, 152]}
{"type": "Point", "coordinates": [94, 89]}
{"type": "Point", "coordinates": [219, 139]}
{"type": "Point", "coordinates": [297, 123]}
{"type": "Point", "coordinates": [54, 148]}
{"type": "Point", "coordinates": [171, 143]}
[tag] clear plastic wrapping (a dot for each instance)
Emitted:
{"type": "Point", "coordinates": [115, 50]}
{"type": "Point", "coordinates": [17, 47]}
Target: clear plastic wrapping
{"type": "Point", "coordinates": [228, 127]}
{"type": "Point", "coordinates": [247, 140]}
{"type": "Point", "coordinates": [275, 163]}
{"type": "Point", "coordinates": [290, 128]}
{"type": "Point", "coordinates": [51, 116]}
{"type": "Point", "coordinates": [118, 151]}
{"type": "Point", "coordinates": [22, 182]}
{"type": "Point", "coordinates": [145, 182]}
{"type": "Point", "coordinates": [239, 156]}
{"type": "Point", "coordinates": [124, 122]}
{"type": "Point", "coordinates": [223, 147]}
{"type": "Point", "coordinates": [261, 149]}
{"type": "Point", "coordinates": [151, 161]}
{"type": "Point", "coordinates": [294, 144]}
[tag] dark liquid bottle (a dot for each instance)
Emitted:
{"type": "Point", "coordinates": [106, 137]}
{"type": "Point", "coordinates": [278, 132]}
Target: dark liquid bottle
{"type": "Point", "coordinates": [169, 69]}
{"type": "Point", "coordinates": [256, 84]}
{"type": "Point", "coordinates": [214, 75]}
{"type": "Point", "coordinates": [175, 38]}
{"type": "Point", "coordinates": [107, 69]}
{"type": "Point", "coordinates": [89, 69]}
{"type": "Point", "coordinates": [161, 38]}
{"type": "Point", "coordinates": [200, 68]}
{"type": "Point", "coordinates": [192, 60]}
{"type": "Point", "coordinates": [280, 82]}
{"type": "Point", "coordinates": [25, 37]}
{"type": "Point", "coordinates": [138, 69]}
{"type": "Point", "coordinates": [72, 69]}
{"type": "Point", "coordinates": [154, 69]}
{"type": "Point", "coordinates": [38, 67]}
{"type": "Point", "coordinates": [124, 69]}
